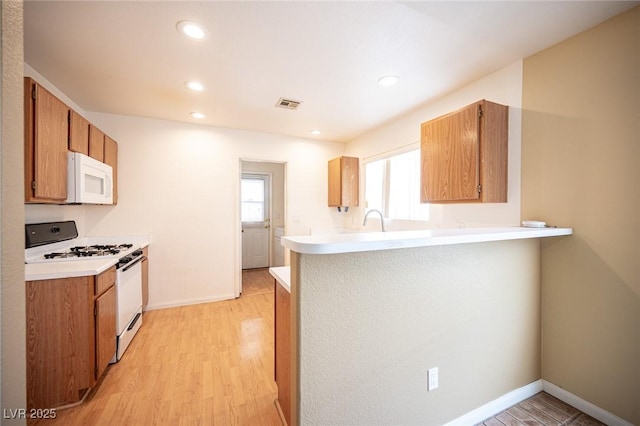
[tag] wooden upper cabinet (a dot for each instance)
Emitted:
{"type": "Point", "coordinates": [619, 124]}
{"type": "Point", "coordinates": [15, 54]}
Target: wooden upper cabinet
{"type": "Point", "coordinates": [78, 133]}
{"type": "Point", "coordinates": [96, 143]}
{"type": "Point", "coordinates": [51, 130]}
{"type": "Point", "coordinates": [111, 158]}
{"type": "Point", "coordinates": [464, 155]}
{"type": "Point", "coordinates": [343, 182]}
{"type": "Point", "coordinates": [46, 134]}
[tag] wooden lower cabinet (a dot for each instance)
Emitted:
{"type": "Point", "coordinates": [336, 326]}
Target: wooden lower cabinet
{"type": "Point", "coordinates": [106, 331]}
{"type": "Point", "coordinates": [283, 349]}
{"type": "Point", "coordinates": [71, 337]}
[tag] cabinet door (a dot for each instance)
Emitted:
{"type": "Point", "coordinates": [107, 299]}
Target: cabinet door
{"type": "Point", "coordinates": [46, 134]}
{"type": "Point", "coordinates": [335, 186]}
{"type": "Point", "coordinates": [105, 329]}
{"type": "Point", "coordinates": [282, 355]}
{"type": "Point", "coordinates": [60, 341]}
{"type": "Point", "coordinates": [349, 171]}
{"type": "Point", "coordinates": [111, 158]}
{"type": "Point", "coordinates": [105, 280]}
{"type": "Point", "coordinates": [96, 143]}
{"type": "Point", "coordinates": [450, 150]}
{"type": "Point", "coordinates": [343, 182]}
{"type": "Point", "coordinates": [78, 133]}
{"type": "Point", "coordinates": [494, 145]}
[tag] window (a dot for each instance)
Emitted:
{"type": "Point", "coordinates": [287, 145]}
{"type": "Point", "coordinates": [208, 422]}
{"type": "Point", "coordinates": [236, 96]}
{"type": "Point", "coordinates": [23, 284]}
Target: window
{"type": "Point", "coordinates": [392, 185]}
{"type": "Point", "coordinates": [252, 194]}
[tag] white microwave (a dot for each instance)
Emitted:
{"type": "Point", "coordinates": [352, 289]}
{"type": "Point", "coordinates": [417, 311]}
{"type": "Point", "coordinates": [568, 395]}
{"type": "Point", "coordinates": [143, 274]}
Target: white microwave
{"type": "Point", "coordinates": [89, 180]}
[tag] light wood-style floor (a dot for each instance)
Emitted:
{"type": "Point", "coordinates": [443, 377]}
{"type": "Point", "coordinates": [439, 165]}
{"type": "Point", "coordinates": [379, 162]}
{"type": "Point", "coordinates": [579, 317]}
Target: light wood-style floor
{"type": "Point", "coordinates": [541, 410]}
{"type": "Point", "coordinates": [212, 364]}
{"type": "Point", "coordinates": [207, 364]}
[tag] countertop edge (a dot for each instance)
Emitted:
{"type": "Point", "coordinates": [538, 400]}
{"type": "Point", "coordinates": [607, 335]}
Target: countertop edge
{"type": "Point", "coordinates": [45, 271]}
{"type": "Point", "coordinates": [282, 275]}
{"type": "Point", "coordinates": [359, 242]}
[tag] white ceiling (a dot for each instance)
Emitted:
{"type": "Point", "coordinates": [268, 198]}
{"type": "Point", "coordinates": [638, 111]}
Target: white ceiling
{"type": "Point", "coordinates": [127, 57]}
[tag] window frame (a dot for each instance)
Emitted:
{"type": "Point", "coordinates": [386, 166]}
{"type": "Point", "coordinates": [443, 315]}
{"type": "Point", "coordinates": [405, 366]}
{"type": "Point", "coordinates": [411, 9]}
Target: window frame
{"type": "Point", "coordinates": [266, 179]}
{"type": "Point", "coordinates": [386, 180]}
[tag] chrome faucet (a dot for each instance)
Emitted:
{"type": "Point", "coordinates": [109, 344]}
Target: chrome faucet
{"type": "Point", "coordinates": [381, 218]}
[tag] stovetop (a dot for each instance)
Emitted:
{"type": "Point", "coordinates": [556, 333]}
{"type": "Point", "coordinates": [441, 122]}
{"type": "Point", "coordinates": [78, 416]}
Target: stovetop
{"type": "Point", "coordinates": [58, 242]}
{"type": "Point", "coordinates": [79, 249]}
{"type": "Point", "coordinates": [96, 250]}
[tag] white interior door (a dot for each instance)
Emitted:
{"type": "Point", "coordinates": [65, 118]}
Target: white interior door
{"type": "Point", "coordinates": [256, 224]}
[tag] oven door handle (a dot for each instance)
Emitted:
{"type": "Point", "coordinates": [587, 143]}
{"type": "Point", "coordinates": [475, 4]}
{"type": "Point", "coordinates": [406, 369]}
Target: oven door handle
{"type": "Point", "coordinates": [129, 266]}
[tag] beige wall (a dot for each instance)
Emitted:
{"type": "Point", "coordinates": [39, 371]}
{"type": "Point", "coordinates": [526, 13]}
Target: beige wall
{"type": "Point", "coordinates": [13, 347]}
{"type": "Point", "coordinates": [581, 168]}
{"type": "Point", "coordinates": [372, 323]}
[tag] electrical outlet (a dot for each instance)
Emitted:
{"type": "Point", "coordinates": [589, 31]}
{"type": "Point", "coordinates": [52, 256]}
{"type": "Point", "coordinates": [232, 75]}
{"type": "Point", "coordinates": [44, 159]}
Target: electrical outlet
{"type": "Point", "coordinates": [432, 379]}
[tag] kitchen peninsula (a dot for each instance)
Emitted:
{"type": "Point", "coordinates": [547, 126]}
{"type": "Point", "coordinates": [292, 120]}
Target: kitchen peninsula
{"type": "Point", "coordinates": [370, 313]}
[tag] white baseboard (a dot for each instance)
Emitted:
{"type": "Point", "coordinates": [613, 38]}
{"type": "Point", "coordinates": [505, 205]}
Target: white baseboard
{"type": "Point", "coordinates": [187, 302]}
{"type": "Point", "coordinates": [584, 406]}
{"type": "Point", "coordinates": [516, 396]}
{"type": "Point", "coordinates": [497, 405]}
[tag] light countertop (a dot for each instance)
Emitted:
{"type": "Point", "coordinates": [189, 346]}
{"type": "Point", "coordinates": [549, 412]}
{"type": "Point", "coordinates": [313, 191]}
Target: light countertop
{"type": "Point", "coordinates": [373, 241]}
{"type": "Point", "coordinates": [282, 274]}
{"type": "Point", "coordinates": [77, 268]}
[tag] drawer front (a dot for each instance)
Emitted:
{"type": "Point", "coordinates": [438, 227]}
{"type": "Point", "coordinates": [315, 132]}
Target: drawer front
{"type": "Point", "coordinates": [105, 280]}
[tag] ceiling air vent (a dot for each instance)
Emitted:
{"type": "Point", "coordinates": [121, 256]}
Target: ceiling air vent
{"type": "Point", "coordinates": [288, 104]}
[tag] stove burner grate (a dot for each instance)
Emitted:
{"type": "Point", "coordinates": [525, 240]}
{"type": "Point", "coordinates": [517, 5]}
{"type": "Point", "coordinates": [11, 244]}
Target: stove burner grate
{"type": "Point", "coordinates": [89, 251]}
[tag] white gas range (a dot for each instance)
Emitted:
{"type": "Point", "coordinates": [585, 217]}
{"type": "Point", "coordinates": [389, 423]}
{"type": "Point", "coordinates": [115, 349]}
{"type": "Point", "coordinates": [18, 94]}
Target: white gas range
{"type": "Point", "coordinates": [54, 250]}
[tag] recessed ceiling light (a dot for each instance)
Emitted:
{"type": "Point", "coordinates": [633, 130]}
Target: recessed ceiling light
{"type": "Point", "coordinates": [195, 85]}
{"type": "Point", "coordinates": [388, 80]}
{"type": "Point", "coordinates": [192, 30]}
{"type": "Point", "coordinates": [316, 132]}
{"type": "Point", "coordinates": [197, 115]}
